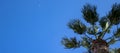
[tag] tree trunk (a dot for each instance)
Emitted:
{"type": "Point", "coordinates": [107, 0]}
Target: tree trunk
{"type": "Point", "coordinates": [99, 46]}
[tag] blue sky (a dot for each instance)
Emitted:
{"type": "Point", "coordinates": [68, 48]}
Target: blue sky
{"type": "Point", "coordinates": [37, 26]}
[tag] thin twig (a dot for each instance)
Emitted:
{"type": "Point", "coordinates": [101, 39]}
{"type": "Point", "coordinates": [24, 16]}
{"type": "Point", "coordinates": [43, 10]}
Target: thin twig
{"type": "Point", "coordinates": [104, 32]}
{"type": "Point", "coordinates": [88, 37]}
{"type": "Point", "coordinates": [109, 38]}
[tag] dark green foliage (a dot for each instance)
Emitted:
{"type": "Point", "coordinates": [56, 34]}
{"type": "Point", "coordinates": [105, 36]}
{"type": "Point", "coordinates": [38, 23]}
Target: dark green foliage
{"type": "Point", "coordinates": [115, 50]}
{"type": "Point", "coordinates": [114, 14]}
{"type": "Point", "coordinates": [70, 43]}
{"type": "Point", "coordinates": [85, 42]}
{"type": "Point", "coordinates": [103, 22]}
{"type": "Point", "coordinates": [106, 23]}
{"type": "Point", "coordinates": [92, 30]}
{"type": "Point", "coordinates": [90, 14]}
{"type": "Point", "coordinates": [77, 26]}
{"type": "Point", "coordinates": [118, 50]}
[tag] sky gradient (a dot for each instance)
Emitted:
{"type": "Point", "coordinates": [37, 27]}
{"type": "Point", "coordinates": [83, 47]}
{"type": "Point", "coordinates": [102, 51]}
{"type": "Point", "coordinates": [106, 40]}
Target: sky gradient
{"type": "Point", "coordinates": [37, 26]}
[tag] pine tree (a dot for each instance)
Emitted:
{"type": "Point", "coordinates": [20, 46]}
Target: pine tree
{"type": "Point", "coordinates": [92, 36]}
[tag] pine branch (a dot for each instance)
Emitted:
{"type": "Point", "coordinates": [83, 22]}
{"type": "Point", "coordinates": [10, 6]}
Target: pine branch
{"type": "Point", "coordinates": [88, 37]}
{"type": "Point", "coordinates": [104, 32]}
{"type": "Point", "coordinates": [109, 37]}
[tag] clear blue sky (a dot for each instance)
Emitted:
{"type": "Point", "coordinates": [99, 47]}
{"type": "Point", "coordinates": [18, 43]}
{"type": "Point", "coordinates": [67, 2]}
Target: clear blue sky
{"type": "Point", "coordinates": [37, 26]}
